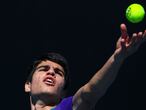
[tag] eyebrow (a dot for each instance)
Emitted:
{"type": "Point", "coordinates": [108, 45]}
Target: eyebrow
{"type": "Point", "coordinates": [44, 66]}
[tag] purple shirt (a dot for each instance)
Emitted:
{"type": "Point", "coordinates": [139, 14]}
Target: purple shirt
{"type": "Point", "coordinates": [65, 104]}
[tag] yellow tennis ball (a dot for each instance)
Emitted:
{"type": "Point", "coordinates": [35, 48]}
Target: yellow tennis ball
{"type": "Point", "coordinates": [135, 13]}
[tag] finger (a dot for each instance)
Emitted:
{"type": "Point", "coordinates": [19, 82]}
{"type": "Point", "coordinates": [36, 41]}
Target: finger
{"type": "Point", "coordinates": [140, 34]}
{"type": "Point", "coordinates": [133, 39]}
{"type": "Point", "coordinates": [123, 31]}
{"type": "Point", "coordinates": [128, 39]}
{"type": "Point", "coordinates": [123, 44]}
{"type": "Point", "coordinates": [144, 35]}
{"type": "Point", "coordinates": [139, 37]}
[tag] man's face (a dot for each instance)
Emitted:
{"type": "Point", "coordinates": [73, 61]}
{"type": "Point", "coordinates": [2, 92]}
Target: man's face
{"type": "Point", "coordinates": [48, 78]}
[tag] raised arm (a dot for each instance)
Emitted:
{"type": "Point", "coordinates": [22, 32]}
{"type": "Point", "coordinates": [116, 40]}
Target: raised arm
{"type": "Point", "coordinates": [88, 95]}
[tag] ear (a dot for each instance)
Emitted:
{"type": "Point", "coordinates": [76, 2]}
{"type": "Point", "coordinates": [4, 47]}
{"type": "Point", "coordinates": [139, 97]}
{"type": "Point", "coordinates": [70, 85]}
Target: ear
{"type": "Point", "coordinates": [27, 86]}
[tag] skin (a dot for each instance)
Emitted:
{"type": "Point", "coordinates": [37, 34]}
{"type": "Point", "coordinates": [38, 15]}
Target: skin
{"type": "Point", "coordinates": [89, 94]}
{"type": "Point", "coordinates": [44, 96]}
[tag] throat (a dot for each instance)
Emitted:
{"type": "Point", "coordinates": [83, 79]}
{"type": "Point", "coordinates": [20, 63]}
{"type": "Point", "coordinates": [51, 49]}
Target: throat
{"type": "Point", "coordinates": [52, 108]}
{"type": "Point", "coordinates": [45, 108]}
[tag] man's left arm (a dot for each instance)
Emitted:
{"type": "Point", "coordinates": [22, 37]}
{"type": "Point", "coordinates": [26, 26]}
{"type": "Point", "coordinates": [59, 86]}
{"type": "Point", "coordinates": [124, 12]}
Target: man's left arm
{"type": "Point", "coordinates": [88, 95]}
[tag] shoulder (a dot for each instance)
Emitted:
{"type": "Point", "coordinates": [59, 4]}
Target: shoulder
{"type": "Point", "coordinates": [65, 104]}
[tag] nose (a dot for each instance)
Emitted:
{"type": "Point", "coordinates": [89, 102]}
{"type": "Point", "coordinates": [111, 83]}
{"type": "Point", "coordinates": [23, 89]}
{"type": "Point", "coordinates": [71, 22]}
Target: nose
{"type": "Point", "coordinates": [51, 72]}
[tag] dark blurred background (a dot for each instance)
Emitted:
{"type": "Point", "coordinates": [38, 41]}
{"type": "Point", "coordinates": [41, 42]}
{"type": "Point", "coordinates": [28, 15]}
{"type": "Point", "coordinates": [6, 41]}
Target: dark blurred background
{"type": "Point", "coordinates": [85, 32]}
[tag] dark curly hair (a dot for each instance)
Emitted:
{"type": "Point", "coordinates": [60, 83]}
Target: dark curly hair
{"type": "Point", "coordinates": [55, 57]}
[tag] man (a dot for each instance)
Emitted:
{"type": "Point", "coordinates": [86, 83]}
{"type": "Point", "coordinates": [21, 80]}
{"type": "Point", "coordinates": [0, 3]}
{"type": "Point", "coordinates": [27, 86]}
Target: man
{"type": "Point", "coordinates": [48, 80]}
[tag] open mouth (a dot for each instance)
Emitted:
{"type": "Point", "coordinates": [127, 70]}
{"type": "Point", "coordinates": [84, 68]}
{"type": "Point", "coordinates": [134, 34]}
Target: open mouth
{"type": "Point", "coordinates": [49, 81]}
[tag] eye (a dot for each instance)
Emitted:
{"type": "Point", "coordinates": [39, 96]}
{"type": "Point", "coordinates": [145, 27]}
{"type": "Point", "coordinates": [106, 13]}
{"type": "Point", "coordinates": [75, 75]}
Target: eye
{"type": "Point", "coordinates": [58, 71]}
{"type": "Point", "coordinates": [44, 68]}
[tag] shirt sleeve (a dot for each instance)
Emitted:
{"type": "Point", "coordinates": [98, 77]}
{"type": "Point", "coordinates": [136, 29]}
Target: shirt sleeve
{"type": "Point", "coordinates": [65, 104]}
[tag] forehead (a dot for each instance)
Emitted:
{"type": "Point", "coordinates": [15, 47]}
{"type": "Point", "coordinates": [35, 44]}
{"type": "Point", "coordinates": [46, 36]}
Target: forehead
{"type": "Point", "coordinates": [50, 63]}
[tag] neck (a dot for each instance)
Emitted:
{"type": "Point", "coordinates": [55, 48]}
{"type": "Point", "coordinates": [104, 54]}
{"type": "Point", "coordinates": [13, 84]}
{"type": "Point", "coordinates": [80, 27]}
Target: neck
{"type": "Point", "coordinates": [43, 104]}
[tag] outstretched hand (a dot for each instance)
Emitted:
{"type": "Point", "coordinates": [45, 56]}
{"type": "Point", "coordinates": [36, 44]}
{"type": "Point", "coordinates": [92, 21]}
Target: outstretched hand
{"type": "Point", "coordinates": [126, 46]}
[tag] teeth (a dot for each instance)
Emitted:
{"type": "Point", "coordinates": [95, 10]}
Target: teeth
{"type": "Point", "coordinates": [49, 80]}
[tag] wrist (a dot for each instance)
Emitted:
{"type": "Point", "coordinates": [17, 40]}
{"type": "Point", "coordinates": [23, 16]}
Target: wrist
{"type": "Point", "coordinates": [118, 57]}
